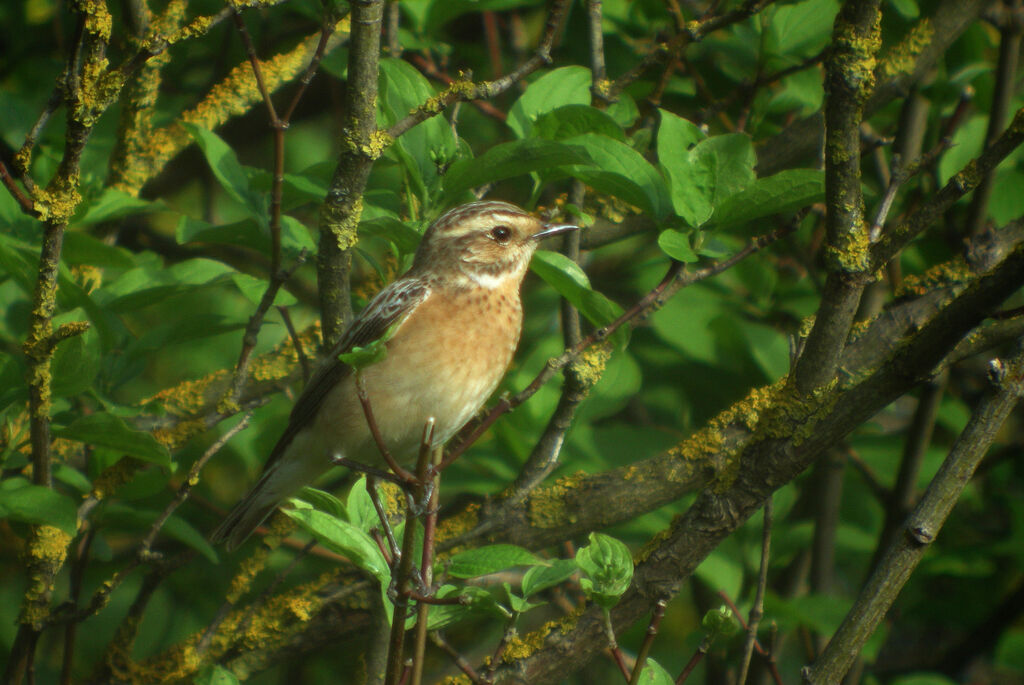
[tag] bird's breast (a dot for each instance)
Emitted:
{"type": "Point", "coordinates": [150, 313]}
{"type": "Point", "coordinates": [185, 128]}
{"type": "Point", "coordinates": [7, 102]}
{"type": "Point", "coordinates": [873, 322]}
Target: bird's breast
{"type": "Point", "coordinates": [444, 361]}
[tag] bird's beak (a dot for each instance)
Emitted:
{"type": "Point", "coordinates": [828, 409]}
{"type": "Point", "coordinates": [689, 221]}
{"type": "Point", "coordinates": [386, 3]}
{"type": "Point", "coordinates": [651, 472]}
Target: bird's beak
{"type": "Point", "coordinates": [553, 229]}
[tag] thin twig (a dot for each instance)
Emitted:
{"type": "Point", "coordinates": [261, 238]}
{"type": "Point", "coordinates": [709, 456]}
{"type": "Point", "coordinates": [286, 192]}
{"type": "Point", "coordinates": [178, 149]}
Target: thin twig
{"type": "Point", "coordinates": [364, 399]}
{"type": "Point", "coordinates": [645, 646]}
{"type": "Point", "coordinates": [296, 343]}
{"type": "Point", "coordinates": [186, 485]}
{"type": "Point", "coordinates": [757, 611]}
{"type": "Point", "coordinates": [438, 639]}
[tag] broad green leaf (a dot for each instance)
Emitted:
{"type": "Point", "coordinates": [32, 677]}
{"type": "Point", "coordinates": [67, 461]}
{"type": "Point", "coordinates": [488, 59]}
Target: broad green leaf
{"type": "Point", "coordinates": [517, 603]}
{"type": "Point", "coordinates": [428, 146]}
{"type": "Point", "coordinates": [76, 362]}
{"type": "Point", "coordinates": [405, 238]}
{"type": "Point", "coordinates": [543, 577]}
{"type": "Point", "coordinates": [566, 276]}
{"type": "Point", "coordinates": [253, 288]}
{"type": "Point", "coordinates": [295, 236]}
{"type": "Point", "coordinates": [323, 501]}
{"type": "Point", "coordinates": [148, 285]}
{"type": "Point", "coordinates": [785, 192]}
{"type": "Point", "coordinates": [677, 246]}
{"type": "Point", "coordinates": [228, 171]}
{"type": "Point", "coordinates": [1007, 201]}
{"type": "Point", "coordinates": [712, 170]}
{"type": "Point", "coordinates": [675, 137]}
{"type": "Point", "coordinates": [489, 559]}
{"type": "Point", "coordinates": [22, 501]}
{"type": "Point", "coordinates": [343, 538]}
{"type": "Point", "coordinates": [102, 429]}
{"type": "Point", "coordinates": [359, 507]}
{"type": "Point", "coordinates": [608, 566]}
{"type": "Point", "coordinates": [82, 248]}
{"type": "Point", "coordinates": [574, 120]}
{"type": "Point", "coordinates": [476, 601]}
{"type": "Point", "coordinates": [113, 204]}
{"type": "Point", "coordinates": [507, 160]}
{"type": "Point", "coordinates": [564, 86]}
{"type": "Point", "coordinates": [621, 171]}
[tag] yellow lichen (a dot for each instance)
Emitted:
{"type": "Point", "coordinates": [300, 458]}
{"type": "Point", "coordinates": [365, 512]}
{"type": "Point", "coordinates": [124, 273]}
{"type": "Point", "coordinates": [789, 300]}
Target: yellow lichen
{"type": "Point", "coordinates": [852, 253]}
{"type": "Point", "coordinates": [903, 58]}
{"type": "Point", "coordinates": [547, 507]}
{"type": "Point", "coordinates": [954, 272]}
{"type": "Point", "coordinates": [520, 648]}
{"type": "Point", "coordinates": [44, 555]}
{"type": "Point", "coordinates": [114, 476]}
{"type": "Point", "coordinates": [589, 366]}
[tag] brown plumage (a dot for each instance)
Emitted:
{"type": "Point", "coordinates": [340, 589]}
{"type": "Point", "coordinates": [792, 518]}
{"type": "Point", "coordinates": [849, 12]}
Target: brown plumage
{"type": "Point", "coordinates": [457, 318]}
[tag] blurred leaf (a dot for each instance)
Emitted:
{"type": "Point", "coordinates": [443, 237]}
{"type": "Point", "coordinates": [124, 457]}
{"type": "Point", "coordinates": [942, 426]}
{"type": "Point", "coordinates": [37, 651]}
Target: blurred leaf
{"type": "Point", "coordinates": [215, 674]}
{"type": "Point", "coordinates": [103, 429]}
{"type": "Point", "coordinates": [76, 362]}
{"type": "Point", "coordinates": [922, 679]}
{"type": "Point", "coordinates": [22, 501]}
{"type": "Point", "coordinates": [82, 248]}
{"type": "Point", "coordinates": [148, 285]}
{"type": "Point", "coordinates": [112, 204]}
{"type": "Point", "coordinates": [483, 561]}
{"type": "Point", "coordinates": [677, 246]}
{"type": "Point", "coordinates": [254, 288]}
{"type": "Point", "coordinates": [563, 86]}
{"type": "Point", "coordinates": [442, 12]}
{"type": "Point", "coordinates": [228, 171]}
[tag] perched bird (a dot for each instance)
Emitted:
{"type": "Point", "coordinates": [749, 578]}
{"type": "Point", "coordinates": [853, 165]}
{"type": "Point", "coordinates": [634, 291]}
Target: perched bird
{"type": "Point", "coordinates": [455, 319]}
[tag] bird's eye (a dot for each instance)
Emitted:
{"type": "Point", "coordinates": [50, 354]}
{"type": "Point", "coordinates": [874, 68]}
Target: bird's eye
{"type": "Point", "coordinates": [501, 233]}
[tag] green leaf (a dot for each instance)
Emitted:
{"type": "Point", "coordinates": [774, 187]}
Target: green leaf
{"type": "Point", "coordinates": [150, 284]}
{"type": "Point", "coordinates": [228, 171]}
{"type": "Point", "coordinates": [609, 568]}
{"type": "Point", "coordinates": [564, 86]}
{"type": "Point", "coordinates": [103, 429]}
{"type": "Point", "coordinates": [489, 559]}
{"type": "Point", "coordinates": [675, 137]}
{"type": "Point", "coordinates": [719, 622]}
{"type": "Point", "coordinates": [342, 537]}
{"type": "Point", "coordinates": [113, 204]}
{"type": "Point", "coordinates": [253, 288]}
{"type": "Point", "coordinates": [215, 674]}
{"type": "Point", "coordinates": [654, 674]}
{"type": "Point", "coordinates": [22, 501]}
{"type": "Point", "coordinates": [708, 173]}
{"type": "Point", "coordinates": [441, 13]}
{"type": "Point", "coordinates": [367, 355]}
{"type": "Point", "coordinates": [619, 170]}
{"type": "Point", "coordinates": [677, 246]}
{"type": "Point", "coordinates": [359, 507]}
{"type": "Point", "coordinates": [75, 365]}
{"type": "Point", "coordinates": [507, 160]}
{"type": "Point", "coordinates": [517, 603]}
{"type": "Point", "coordinates": [574, 120]}
{"type": "Point", "coordinates": [323, 501]}
{"type": "Point", "coordinates": [82, 248]}
{"type": "Point", "coordinates": [566, 276]}
{"type": "Point", "coordinates": [785, 192]}
{"type": "Point", "coordinates": [541, 578]}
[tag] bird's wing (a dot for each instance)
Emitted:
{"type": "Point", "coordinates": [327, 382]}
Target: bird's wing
{"type": "Point", "coordinates": [391, 306]}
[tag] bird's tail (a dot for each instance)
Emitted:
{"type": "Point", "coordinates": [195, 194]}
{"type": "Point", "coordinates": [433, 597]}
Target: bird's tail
{"type": "Point", "coordinates": [248, 514]}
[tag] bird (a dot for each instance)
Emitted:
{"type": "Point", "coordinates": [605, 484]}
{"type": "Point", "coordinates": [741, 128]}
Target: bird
{"type": "Point", "coordinates": [452, 324]}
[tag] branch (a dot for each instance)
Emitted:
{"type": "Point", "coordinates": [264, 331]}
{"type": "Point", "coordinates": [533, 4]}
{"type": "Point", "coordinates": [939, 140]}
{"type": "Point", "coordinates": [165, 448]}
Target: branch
{"type": "Point", "coordinates": [921, 528]}
{"type": "Point", "coordinates": [342, 207]}
{"type": "Point", "coordinates": [848, 83]}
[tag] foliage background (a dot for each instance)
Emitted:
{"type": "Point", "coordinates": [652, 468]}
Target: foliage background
{"type": "Point", "coordinates": [167, 250]}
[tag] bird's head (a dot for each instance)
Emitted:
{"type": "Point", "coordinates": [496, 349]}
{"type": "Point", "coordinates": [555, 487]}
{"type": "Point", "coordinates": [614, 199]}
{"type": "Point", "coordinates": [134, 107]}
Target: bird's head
{"type": "Point", "coordinates": [483, 243]}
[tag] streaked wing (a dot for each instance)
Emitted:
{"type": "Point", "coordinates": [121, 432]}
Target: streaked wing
{"type": "Point", "coordinates": [390, 306]}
